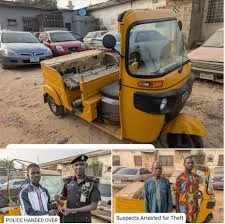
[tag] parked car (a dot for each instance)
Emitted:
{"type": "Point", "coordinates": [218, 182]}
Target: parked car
{"type": "Point", "coordinates": [218, 178]}
{"type": "Point", "coordinates": [21, 48]}
{"type": "Point", "coordinates": [104, 206]}
{"type": "Point", "coordinates": [94, 39]}
{"type": "Point", "coordinates": [131, 198]}
{"type": "Point", "coordinates": [13, 184]}
{"type": "Point", "coordinates": [127, 175]}
{"type": "Point", "coordinates": [208, 60]}
{"type": "Point", "coordinates": [61, 42]}
{"type": "Point", "coordinates": [77, 36]}
{"type": "Point", "coordinates": [14, 188]}
{"type": "Point", "coordinates": [117, 169]}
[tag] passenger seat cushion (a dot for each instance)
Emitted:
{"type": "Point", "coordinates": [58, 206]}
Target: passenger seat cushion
{"type": "Point", "coordinates": [111, 91]}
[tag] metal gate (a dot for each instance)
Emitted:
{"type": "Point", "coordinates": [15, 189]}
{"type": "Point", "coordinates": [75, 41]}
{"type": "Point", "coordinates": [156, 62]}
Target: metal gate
{"type": "Point", "coordinates": [30, 24]}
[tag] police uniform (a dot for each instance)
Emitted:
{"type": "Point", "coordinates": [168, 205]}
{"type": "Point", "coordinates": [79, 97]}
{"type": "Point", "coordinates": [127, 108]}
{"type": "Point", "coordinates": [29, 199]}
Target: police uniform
{"type": "Point", "coordinates": [79, 195]}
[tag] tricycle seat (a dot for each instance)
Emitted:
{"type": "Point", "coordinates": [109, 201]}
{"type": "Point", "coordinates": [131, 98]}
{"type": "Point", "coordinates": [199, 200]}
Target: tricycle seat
{"type": "Point", "coordinates": [111, 91]}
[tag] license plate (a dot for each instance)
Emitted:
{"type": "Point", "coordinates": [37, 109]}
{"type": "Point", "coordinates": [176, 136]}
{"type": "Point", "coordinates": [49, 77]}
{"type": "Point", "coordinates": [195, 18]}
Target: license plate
{"type": "Point", "coordinates": [117, 181]}
{"type": "Point", "coordinates": [34, 59]}
{"type": "Point", "coordinates": [206, 76]}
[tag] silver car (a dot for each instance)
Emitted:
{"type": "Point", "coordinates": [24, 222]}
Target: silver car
{"type": "Point", "coordinates": [127, 175]}
{"type": "Point", "coordinates": [21, 48]}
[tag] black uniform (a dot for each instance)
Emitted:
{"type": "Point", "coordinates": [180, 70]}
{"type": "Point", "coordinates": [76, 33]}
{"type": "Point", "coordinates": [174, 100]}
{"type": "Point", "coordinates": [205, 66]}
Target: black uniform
{"type": "Point", "coordinates": [80, 195]}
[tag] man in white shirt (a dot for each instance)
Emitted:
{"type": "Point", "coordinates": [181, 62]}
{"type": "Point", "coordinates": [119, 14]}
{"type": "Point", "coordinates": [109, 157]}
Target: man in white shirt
{"type": "Point", "coordinates": [35, 199]}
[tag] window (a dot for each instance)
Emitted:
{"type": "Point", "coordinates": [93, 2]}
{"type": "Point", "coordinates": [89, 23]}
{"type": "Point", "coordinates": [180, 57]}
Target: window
{"type": "Point", "coordinates": [116, 160]}
{"type": "Point", "coordinates": [68, 26]}
{"type": "Point", "coordinates": [11, 22]}
{"type": "Point", "coordinates": [220, 160]}
{"type": "Point", "coordinates": [137, 161]}
{"type": "Point", "coordinates": [215, 11]}
{"type": "Point", "coordinates": [166, 160]}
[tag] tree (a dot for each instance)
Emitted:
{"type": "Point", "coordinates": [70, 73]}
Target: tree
{"type": "Point", "coordinates": [70, 5]}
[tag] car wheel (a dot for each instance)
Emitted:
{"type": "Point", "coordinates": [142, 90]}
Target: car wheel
{"type": "Point", "coordinates": [184, 141]}
{"type": "Point", "coordinates": [57, 110]}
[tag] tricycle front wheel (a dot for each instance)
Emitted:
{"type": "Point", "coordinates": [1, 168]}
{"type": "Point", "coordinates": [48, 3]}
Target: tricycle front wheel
{"type": "Point", "coordinates": [57, 110]}
{"type": "Point", "coordinates": [184, 141]}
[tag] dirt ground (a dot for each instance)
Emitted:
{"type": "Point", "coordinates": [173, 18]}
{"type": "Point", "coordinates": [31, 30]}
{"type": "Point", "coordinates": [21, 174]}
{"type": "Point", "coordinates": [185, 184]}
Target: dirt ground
{"type": "Point", "coordinates": [218, 215]}
{"type": "Point", "coordinates": [24, 118]}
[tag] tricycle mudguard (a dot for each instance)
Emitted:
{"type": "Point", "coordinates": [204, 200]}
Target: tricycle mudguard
{"type": "Point", "coordinates": [185, 124]}
{"type": "Point", "coordinates": [48, 90]}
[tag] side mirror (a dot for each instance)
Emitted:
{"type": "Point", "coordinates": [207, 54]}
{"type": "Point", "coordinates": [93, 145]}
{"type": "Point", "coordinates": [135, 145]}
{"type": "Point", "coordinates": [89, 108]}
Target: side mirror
{"type": "Point", "coordinates": [109, 41]}
{"type": "Point", "coordinates": [180, 25]}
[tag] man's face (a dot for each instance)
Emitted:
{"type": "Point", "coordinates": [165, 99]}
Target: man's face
{"type": "Point", "coordinates": [80, 168]}
{"type": "Point", "coordinates": [34, 175]}
{"type": "Point", "coordinates": [189, 164]}
{"type": "Point", "coordinates": [157, 170]}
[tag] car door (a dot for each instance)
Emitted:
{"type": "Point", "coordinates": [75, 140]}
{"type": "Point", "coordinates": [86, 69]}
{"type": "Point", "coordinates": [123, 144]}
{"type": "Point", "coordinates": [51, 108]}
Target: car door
{"type": "Point", "coordinates": [145, 174]}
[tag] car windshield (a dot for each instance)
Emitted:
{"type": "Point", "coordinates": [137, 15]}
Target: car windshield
{"type": "Point", "coordinates": [91, 35]}
{"type": "Point", "coordinates": [158, 47]}
{"type": "Point", "coordinates": [127, 171]}
{"type": "Point", "coordinates": [216, 40]}
{"type": "Point", "coordinates": [62, 36]}
{"type": "Point", "coordinates": [18, 38]}
{"type": "Point", "coordinates": [105, 190]}
{"type": "Point", "coordinates": [54, 185]}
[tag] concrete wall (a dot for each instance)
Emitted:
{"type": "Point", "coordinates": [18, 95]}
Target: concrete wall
{"type": "Point", "coordinates": [208, 28]}
{"type": "Point", "coordinates": [196, 22]}
{"type": "Point", "coordinates": [127, 158]}
{"type": "Point", "coordinates": [16, 14]}
{"type": "Point", "coordinates": [105, 160]}
{"type": "Point", "coordinates": [108, 16]}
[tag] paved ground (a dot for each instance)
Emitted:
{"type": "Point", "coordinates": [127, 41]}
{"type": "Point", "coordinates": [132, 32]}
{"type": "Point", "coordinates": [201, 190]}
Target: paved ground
{"type": "Point", "coordinates": [24, 118]}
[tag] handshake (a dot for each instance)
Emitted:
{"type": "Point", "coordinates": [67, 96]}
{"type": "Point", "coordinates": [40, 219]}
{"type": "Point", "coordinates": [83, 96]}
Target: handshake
{"type": "Point", "coordinates": [58, 208]}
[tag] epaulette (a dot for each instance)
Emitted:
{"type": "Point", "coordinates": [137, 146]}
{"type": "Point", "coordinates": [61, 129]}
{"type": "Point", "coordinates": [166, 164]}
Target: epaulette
{"type": "Point", "coordinates": [93, 179]}
{"type": "Point", "coordinates": [68, 179]}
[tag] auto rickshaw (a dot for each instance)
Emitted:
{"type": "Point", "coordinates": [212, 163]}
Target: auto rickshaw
{"type": "Point", "coordinates": [135, 94]}
{"type": "Point", "coordinates": [131, 198]}
{"type": "Point", "coordinates": [51, 180]}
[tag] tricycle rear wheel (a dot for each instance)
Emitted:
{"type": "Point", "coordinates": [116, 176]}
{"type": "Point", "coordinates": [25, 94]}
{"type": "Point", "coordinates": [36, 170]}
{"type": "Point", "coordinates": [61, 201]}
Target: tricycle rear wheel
{"type": "Point", "coordinates": [184, 141]}
{"type": "Point", "coordinates": [57, 110]}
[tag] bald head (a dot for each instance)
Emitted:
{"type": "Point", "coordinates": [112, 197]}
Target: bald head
{"type": "Point", "coordinates": [157, 169]}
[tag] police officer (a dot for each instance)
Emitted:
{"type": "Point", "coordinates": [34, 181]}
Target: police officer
{"type": "Point", "coordinates": [81, 193]}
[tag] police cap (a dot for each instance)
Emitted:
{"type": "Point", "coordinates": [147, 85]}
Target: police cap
{"type": "Point", "coordinates": [80, 158]}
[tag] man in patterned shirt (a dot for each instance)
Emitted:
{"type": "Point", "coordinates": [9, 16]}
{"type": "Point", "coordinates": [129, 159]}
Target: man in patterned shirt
{"type": "Point", "coordinates": [187, 187]}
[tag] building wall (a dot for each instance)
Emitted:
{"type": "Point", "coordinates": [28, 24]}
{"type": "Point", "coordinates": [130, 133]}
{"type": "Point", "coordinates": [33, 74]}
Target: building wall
{"type": "Point", "coordinates": [127, 158]}
{"type": "Point", "coordinates": [108, 16]}
{"type": "Point", "coordinates": [209, 28]}
{"type": "Point", "coordinates": [16, 14]}
{"type": "Point", "coordinates": [67, 169]}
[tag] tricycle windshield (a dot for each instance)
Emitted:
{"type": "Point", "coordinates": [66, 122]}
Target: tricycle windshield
{"type": "Point", "coordinates": [157, 48]}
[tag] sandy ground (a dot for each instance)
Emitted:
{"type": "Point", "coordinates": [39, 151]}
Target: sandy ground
{"type": "Point", "coordinates": [24, 118]}
{"type": "Point", "coordinates": [218, 215]}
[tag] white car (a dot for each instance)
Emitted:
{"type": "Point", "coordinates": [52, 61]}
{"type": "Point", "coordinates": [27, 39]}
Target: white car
{"type": "Point", "coordinates": [207, 60]}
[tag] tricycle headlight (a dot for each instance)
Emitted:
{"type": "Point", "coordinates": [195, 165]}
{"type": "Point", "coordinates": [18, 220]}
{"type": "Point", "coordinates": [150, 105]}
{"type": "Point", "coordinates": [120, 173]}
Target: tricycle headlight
{"type": "Point", "coordinates": [163, 104]}
{"type": "Point", "coordinates": [59, 48]}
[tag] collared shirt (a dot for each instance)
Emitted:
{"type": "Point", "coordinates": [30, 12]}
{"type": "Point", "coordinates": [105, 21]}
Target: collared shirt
{"type": "Point", "coordinates": [79, 195]}
{"type": "Point", "coordinates": [34, 200]}
{"type": "Point", "coordinates": [158, 197]}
